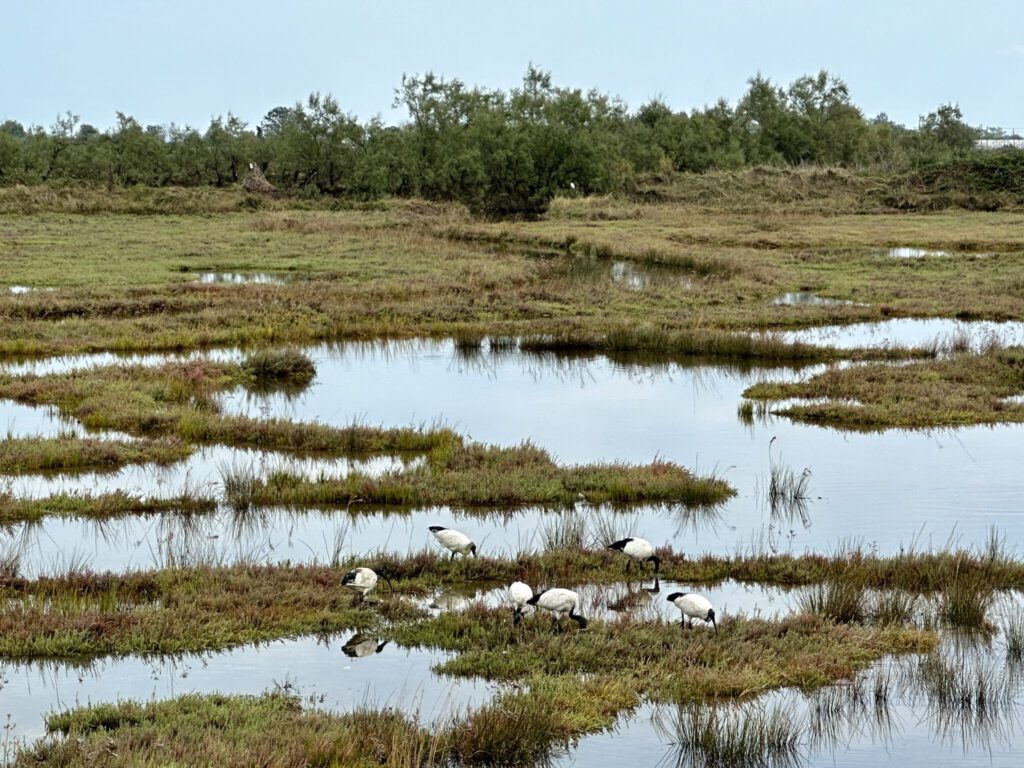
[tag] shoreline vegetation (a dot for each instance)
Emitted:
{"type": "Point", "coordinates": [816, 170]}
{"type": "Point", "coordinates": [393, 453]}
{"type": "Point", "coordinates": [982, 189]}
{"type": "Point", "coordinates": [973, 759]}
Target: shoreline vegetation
{"type": "Point", "coordinates": [81, 614]}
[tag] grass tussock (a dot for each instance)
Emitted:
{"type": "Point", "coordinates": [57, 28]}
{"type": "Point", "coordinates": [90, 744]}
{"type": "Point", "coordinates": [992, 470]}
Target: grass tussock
{"type": "Point", "coordinates": [287, 368]}
{"type": "Point", "coordinates": [733, 736]}
{"type": "Point", "coordinates": [836, 600]}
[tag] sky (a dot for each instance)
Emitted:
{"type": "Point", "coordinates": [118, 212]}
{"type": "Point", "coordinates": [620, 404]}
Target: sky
{"type": "Point", "coordinates": [188, 61]}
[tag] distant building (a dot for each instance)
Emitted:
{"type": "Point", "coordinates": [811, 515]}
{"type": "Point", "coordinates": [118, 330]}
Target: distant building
{"type": "Point", "coordinates": [999, 143]}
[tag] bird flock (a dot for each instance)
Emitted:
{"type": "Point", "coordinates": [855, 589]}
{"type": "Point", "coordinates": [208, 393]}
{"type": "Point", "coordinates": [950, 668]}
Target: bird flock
{"type": "Point", "coordinates": [557, 601]}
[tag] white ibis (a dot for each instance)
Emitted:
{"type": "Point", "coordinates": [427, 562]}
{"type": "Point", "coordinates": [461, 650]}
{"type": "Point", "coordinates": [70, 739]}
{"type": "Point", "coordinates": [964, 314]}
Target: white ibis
{"type": "Point", "coordinates": [359, 646]}
{"type": "Point", "coordinates": [693, 607]}
{"type": "Point", "coordinates": [454, 541]}
{"type": "Point", "coordinates": [361, 581]}
{"type": "Point", "coordinates": [559, 602]}
{"type": "Point", "coordinates": [520, 594]}
{"type": "Point", "coordinates": [637, 549]}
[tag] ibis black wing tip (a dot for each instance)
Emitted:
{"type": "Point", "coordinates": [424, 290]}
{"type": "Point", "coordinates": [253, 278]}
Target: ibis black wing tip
{"type": "Point", "coordinates": [436, 528]}
{"type": "Point", "coordinates": [620, 544]}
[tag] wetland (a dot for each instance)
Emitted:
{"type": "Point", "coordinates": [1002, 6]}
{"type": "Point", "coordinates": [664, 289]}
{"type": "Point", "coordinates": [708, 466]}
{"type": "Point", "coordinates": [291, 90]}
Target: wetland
{"type": "Point", "coordinates": [211, 417]}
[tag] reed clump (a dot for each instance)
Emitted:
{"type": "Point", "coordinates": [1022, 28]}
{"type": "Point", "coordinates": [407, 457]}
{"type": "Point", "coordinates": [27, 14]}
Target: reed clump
{"type": "Point", "coordinates": [287, 368]}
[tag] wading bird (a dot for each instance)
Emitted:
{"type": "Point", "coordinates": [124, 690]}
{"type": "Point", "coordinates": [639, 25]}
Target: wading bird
{"type": "Point", "coordinates": [637, 549]}
{"type": "Point", "coordinates": [693, 607]}
{"type": "Point", "coordinates": [361, 581]}
{"type": "Point", "coordinates": [520, 594]}
{"type": "Point", "coordinates": [559, 602]}
{"type": "Point", "coordinates": [454, 541]}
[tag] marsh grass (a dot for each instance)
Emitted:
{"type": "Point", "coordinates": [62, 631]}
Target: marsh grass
{"type": "Point", "coordinates": [837, 600]}
{"type": "Point", "coordinates": [101, 506]}
{"type": "Point", "coordinates": [966, 600]}
{"type": "Point", "coordinates": [70, 453]}
{"type": "Point", "coordinates": [894, 607]}
{"type": "Point", "coordinates": [476, 475]}
{"type": "Point", "coordinates": [178, 401]}
{"type": "Point", "coordinates": [241, 484]}
{"type": "Point", "coordinates": [962, 389]}
{"type": "Point", "coordinates": [284, 369]}
{"type": "Point", "coordinates": [517, 728]}
{"type": "Point", "coordinates": [204, 605]}
{"type": "Point", "coordinates": [749, 735]}
{"type": "Point", "coordinates": [565, 531]}
{"type": "Point", "coordinates": [787, 491]}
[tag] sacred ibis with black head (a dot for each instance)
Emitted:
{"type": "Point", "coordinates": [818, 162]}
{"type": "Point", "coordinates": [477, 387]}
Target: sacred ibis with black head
{"type": "Point", "coordinates": [559, 602]}
{"type": "Point", "coordinates": [693, 607]}
{"type": "Point", "coordinates": [362, 580]}
{"type": "Point", "coordinates": [637, 549]}
{"type": "Point", "coordinates": [520, 594]}
{"type": "Point", "coordinates": [454, 541]}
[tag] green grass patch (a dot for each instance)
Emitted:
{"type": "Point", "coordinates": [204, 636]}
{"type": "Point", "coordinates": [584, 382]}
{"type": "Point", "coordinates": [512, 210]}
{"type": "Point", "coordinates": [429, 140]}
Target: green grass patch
{"type": "Point", "coordinates": [70, 453]}
{"type": "Point", "coordinates": [964, 389]}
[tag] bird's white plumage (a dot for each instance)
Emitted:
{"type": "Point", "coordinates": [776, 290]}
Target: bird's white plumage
{"type": "Point", "coordinates": [693, 606]}
{"type": "Point", "coordinates": [560, 602]}
{"type": "Point", "coordinates": [638, 549]}
{"type": "Point", "coordinates": [361, 580]}
{"type": "Point", "coordinates": [519, 593]}
{"type": "Point", "coordinates": [452, 540]}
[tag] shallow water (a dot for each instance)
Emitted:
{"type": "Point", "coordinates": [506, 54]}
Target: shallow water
{"type": "Point", "coordinates": [631, 275]}
{"type": "Point", "coordinates": [912, 332]}
{"type": "Point", "coordinates": [806, 298]}
{"type": "Point", "coordinates": [201, 473]}
{"type": "Point", "coordinates": [916, 253]}
{"type": "Point", "coordinates": [847, 725]}
{"type": "Point", "coordinates": [241, 278]}
{"type": "Point", "coordinates": [317, 669]}
{"type": "Point", "coordinates": [644, 599]}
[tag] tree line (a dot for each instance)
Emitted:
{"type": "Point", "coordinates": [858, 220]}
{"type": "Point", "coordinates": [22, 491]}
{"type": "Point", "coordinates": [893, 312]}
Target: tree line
{"type": "Point", "coordinates": [501, 153]}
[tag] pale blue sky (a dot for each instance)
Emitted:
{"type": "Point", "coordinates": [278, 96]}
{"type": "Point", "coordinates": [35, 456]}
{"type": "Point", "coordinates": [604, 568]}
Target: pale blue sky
{"type": "Point", "coordinates": [185, 61]}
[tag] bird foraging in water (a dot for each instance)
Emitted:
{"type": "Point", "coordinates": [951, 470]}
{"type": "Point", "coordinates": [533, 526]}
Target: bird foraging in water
{"type": "Point", "coordinates": [637, 549]}
{"type": "Point", "coordinates": [693, 607]}
{"type": "Point", "coordinates": [520, 594]}
{"type": "Point", "coordinates": [454, 541]}
{"type": "Point", "coordinates": [361, 581]}
{"type": "Point", "coordinates": [559, 602]}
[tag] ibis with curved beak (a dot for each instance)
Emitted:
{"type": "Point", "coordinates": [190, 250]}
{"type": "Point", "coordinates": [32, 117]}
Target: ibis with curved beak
{"type": "Point", "coordinates": [693, 606]}
{"type": "Point", "coordinates": [559, 602]}
{"type": "Point", "coordinates": [362, 580]}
